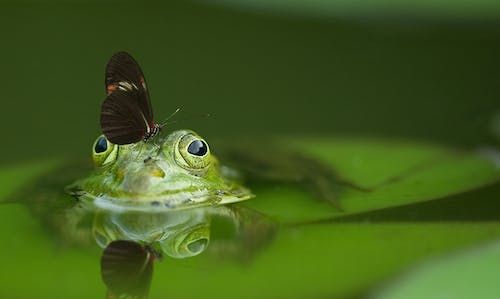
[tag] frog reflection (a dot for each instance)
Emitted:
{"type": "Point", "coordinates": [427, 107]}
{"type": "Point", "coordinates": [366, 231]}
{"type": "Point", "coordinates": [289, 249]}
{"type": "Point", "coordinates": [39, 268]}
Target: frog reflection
{"type": "Point", "coordinates": [224, 231]}
{"type": "Point", "coordinates": [134, 240]}
{"type": "Point", "coordinates": [178, 234]}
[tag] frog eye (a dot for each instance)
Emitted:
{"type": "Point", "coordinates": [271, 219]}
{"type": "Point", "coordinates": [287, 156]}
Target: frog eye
{"type": "Point", "coordinates": [198, 148]}
{"type": "Point", "coordinates": [101, 145]}
{"type": "Point", "coordinates": [194, 151]}
{"type": "Point", "coordinates": [187, 242]}
{"type": "Point", "coordinates": [104, 152]}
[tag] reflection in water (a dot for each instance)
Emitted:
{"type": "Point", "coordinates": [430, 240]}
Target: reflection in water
{"type": "Point", "coordinates": [133, 240]}
{"type": "Point", "coordinates": [177, 234]}
{"type": "Point", "coordinates": [127, 269]}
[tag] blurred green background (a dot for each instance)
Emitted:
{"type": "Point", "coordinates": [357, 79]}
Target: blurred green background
{"type": "Point", "coordinates": [419, 70]}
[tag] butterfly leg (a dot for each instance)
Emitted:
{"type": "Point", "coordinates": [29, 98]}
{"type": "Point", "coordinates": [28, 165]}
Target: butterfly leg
{"type": "Point", "coordinates": [139, 152]}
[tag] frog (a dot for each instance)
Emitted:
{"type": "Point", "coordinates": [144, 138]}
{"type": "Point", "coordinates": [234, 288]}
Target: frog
{"type": "Point", "coordinates": [176, 171]}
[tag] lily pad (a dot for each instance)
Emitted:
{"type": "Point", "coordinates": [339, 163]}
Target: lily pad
{"type": "Point", "coordinates": [396, 172]}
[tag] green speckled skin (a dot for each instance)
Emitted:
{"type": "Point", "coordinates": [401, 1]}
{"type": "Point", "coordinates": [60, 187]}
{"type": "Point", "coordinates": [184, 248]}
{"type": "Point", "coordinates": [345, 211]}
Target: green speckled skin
{"type": "Point", "coordinates": [159, 173]}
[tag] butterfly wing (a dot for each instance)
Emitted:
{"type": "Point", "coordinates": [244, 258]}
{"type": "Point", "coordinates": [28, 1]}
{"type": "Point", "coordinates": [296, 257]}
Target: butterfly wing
{"type": "Point", "coordinates": [124, 73]}
{"type": "Point", "coordinates": [122, 121]}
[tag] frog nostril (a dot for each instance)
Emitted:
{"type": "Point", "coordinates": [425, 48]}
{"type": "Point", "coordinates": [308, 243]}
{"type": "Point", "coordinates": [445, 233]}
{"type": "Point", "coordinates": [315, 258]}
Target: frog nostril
{"type": "Point", "coordinates": [158, 172]}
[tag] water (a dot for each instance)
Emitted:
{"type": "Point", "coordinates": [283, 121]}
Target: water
{"type": "Point", "coordinates": [396, 90]}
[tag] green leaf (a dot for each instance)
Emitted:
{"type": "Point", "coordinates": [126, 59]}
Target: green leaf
{"type": "Point", "coordinates": [400, 173]}
{"type": "Point", "coordinates": [463, 275]}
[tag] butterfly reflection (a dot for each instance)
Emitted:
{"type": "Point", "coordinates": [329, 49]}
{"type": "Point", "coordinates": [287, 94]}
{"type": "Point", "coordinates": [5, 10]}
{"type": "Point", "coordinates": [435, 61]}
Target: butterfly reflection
{"type": "Point", "coordinates": [127, 269]}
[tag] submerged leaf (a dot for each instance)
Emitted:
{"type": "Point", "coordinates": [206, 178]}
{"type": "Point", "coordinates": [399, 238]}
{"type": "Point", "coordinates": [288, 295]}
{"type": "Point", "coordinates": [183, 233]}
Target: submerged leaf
{"type": "Point", "coordinates": [398, 173]}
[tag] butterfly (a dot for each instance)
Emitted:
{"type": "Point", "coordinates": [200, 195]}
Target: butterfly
{"type": "Point", "coordinates": [126, 113]}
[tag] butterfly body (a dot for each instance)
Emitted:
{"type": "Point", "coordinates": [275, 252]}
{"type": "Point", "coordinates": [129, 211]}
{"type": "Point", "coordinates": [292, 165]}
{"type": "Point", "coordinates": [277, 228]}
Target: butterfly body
{"type": "Point", "coordinates": [155, 130]}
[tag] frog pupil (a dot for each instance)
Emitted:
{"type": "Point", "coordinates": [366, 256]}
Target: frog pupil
{"type": "Point", "coordinates": [197, 148]}
{"type": "Point", "coordinates": [101, 145]}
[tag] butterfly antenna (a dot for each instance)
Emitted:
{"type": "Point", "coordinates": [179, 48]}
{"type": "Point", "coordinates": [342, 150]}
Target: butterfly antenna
{"type": "Point", "coordinates": [164, 123]}
{"type": "Point", "coordinates": [206, 115]}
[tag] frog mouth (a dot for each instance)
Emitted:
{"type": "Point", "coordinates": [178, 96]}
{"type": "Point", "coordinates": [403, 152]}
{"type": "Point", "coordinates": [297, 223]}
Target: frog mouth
{"type": "Point", "coordinates": [172, 200]}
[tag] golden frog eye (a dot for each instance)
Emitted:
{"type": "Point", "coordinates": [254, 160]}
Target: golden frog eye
{"type": "Point", "coordinates": [194, 151]}
{"type": "Point", "coordinates": [103, 151]}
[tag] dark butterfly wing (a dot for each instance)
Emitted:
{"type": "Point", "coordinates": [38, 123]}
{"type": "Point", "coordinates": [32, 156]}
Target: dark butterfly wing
{"type": "Point", "coordinates": [122, 121]}
{"type": "Point", "coordinates": [124, 73]}
{"type": "Point", "coordinates": [127, 269]}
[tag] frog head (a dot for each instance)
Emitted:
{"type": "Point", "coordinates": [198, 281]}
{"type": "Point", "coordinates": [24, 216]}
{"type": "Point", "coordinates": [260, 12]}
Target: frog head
{"type": "Point", "coordinates": [172, 172]}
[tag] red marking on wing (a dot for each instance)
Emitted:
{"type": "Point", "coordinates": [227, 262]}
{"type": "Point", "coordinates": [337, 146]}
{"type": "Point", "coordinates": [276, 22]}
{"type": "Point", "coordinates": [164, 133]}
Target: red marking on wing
{"type": "Point", "coordinates": [111, 88]}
